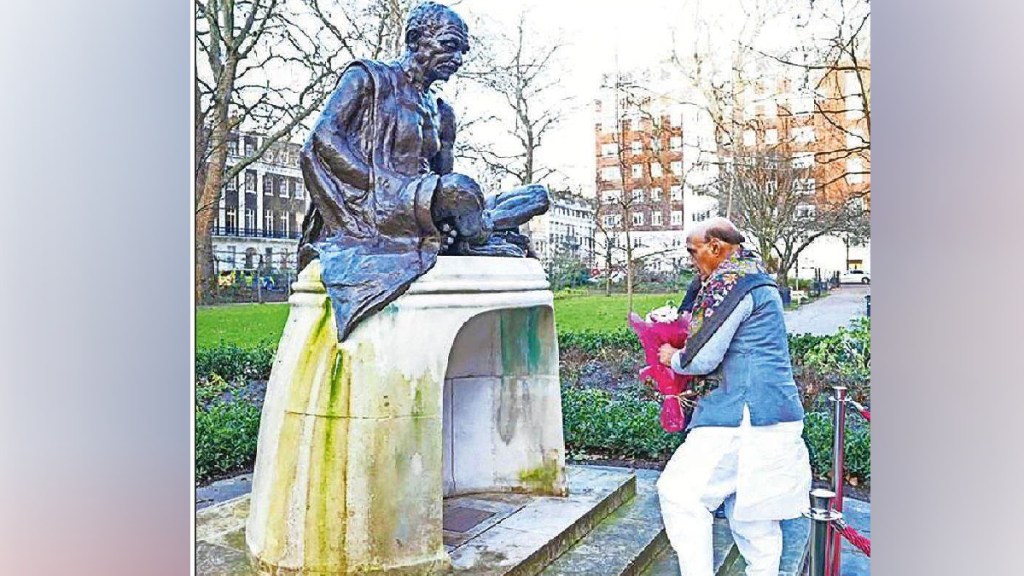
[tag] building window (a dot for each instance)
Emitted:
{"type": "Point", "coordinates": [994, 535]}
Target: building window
{"type": "Point", "coordinates": [609, 149]}
{"type": "Point", "coordinates": [854, 170]}
{"type": "Point", "coordinates": [771, 136]}
{"type": "Point", "coordinates": [231, 220]}
{"type": "Point", "coordinates": [677, 218]}
{"type": "Point", "coordinates": [656, 145]}
{"type": "Point", "coordinates": [637, 242]}
{"type": "Point", "coordinates": [250, 181]}
{"type": "Point", "coordinates": [250, 145]}
{"type": "Point", "coordinates": [656, 195]}
{"type": "Point", "coordinates": [804, 185]}
{"type": "Point", "coordinates": [638, 195]}
{"type": "Point", "coordinates": [656, 170]}
{"type": "Point", "coordinates": [805, 211]}
{"type": "Point", "coordinates": [677, 168]}
{"type": "Point", "coordinates": [233, 146]}
{"type": "Point", "coordinates": [268, 221]}
{"type": "Point", "coordinates": [636, 147]}
{"type": "Point", "coordinates": [638, 171]}
{"type": "Point", "coordinates": [803, 134]}
{"type": "Point", "coordinates": [250, 222]}
{"type": "Point", "coordinates": [612, 220]}
{"type": "Point", "coordinates": [851, 83]}
{"type": "Point", "coordinates": [675, 143]}
{"type": "Point", "coordinates": [282, 187]}
{"type": "Point", "coordinates": [610, 173]}
{"type": "Point", "coordinates": [656, 218]}
{"type": "Point", "coordinates": [268, 185]}
{"type": "Point", "coordinates": [612, 196]}
{"type": "Point", "coordinates": [803, 105]}
{"type": "Point", "coordinates": [638, 219]}
{"type": "Point", "coordinates": [803, 160]}
{"type": "Point", "coordinates": [676, 194]}
{"type": "Point", "coordinates": [854, 107]}
{"type": "Point", "coordinates": [230, 185]}
{"type": "Point", "coordinates": [854, 139]}
{"type": "Point", "coordinates": [284, 224]}
{"type": "Point", "coordinates": [749, 138]}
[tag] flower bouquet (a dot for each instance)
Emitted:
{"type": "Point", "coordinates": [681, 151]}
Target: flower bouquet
{"type": "Point", "coordinates": [664, 325]}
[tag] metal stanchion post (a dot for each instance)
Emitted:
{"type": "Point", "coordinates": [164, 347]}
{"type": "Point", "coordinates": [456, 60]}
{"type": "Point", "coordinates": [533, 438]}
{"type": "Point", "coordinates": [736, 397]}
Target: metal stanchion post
{"type": "Point", "coordinates": [821, 515]}
{"type": "Point", "coordinates": [838, 444]}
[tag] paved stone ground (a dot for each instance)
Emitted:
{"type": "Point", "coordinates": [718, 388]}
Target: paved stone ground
{"type": "Point", "coordinates": [825, 316]}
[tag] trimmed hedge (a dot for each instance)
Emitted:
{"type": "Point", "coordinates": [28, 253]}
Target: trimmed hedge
{"type": "Point", "coordinates": [226, 430]}
{"type": "Point", "coordinates": [619, 425]}
{"type": "Point", "coordinates": [627, 427]}
{"type": "Point", "coordinates": [232, 362]}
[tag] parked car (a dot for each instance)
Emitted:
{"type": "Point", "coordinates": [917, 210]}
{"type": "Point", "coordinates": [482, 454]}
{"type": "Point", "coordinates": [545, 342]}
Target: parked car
{"type": "Point", "coordinates": [855, 277]}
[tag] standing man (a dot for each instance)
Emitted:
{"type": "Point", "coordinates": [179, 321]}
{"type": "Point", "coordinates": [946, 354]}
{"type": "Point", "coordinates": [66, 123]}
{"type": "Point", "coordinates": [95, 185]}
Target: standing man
{"type": "Point", "coordinates": [744, 444]}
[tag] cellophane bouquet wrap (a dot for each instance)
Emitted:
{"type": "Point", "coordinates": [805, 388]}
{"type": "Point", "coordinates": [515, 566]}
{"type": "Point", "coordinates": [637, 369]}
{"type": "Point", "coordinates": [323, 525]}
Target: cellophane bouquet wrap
{"type": "Point", "coordinates": [663, 326]}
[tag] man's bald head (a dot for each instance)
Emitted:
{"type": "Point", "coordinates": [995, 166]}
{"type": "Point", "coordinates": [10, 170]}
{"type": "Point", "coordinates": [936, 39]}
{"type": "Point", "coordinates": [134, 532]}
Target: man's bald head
{"type": "Point", "coordinates": [717, 227]}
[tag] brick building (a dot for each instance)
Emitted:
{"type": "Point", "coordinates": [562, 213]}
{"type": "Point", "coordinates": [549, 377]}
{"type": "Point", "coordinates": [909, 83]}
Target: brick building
{"type": "Point", "coordinates": [649, 164]}
{"type": "Point", "coordinates": [820, 125]}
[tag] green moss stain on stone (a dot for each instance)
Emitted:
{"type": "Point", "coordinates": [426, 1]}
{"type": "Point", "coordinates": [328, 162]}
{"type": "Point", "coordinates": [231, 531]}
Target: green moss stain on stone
{"type": "Point", "coordinates": [542, 478]}
{"type": "Point", "coordinates": [522, 351]}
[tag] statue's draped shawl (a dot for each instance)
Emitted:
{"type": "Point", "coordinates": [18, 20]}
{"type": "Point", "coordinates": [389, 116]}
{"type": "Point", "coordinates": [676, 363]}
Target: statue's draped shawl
{"type": "Point", "coordinates": [374, 243]}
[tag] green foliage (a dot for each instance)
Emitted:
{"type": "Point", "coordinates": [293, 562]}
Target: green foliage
{"type": "Point", "coordinates": [844, 359]}
{"type": "Point", "coordinates": [800, 344]}
{"type": "Point", "coordinates": [594, 342]}
{"type": "Point", "coordinates": [625, 426]}
{"type": "Point", "coordinates": [857, 446]}
{"type": "Point", "coordinates": [226, 431]}
{"type": "Point", "coordinates": [232, 362]}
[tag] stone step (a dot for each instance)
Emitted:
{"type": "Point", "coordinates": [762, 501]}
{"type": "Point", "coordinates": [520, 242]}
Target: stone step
{"type": "Point", "coordinates": [527, 541]}
{"type": "Point", "coordinates": [518, 535]}
{"type": "Point", "coordinates": [632, 541]}
{"type": "Point", "coordinates": [729, 561]}
{"type": "Point", "coordinates": [624, 543]}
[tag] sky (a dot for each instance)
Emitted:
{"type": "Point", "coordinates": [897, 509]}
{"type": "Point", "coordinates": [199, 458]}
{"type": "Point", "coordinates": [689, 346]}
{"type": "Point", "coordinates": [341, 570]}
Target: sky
{"type": "Point", "coordinates": [599, 34]}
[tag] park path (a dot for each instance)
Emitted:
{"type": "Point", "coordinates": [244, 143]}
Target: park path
{"type": "Point", "coordinates": [826, 315]}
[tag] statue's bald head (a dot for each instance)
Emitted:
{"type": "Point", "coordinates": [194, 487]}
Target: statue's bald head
{"type": "Point", "coordinates": [717, 227]}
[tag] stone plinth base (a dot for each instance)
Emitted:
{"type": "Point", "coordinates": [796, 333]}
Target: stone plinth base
{"type": "Point", "coordinates": [452, 389]}
{"type": "Point", "coordinates": [486, 534]}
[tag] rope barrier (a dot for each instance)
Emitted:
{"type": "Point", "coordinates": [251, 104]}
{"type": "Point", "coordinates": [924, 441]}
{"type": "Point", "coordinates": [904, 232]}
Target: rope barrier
{"type": "Point", "coordinates": [864, 412]}
{"type": "Point", "coordinates": [853, 537]}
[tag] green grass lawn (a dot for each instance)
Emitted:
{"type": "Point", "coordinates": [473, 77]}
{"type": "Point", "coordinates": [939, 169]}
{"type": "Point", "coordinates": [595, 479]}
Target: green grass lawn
{"type": "Point", "coordinates": [248, 324]}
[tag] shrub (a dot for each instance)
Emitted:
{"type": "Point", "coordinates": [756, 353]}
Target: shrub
{"type": "Point", "coordinates": [843, 359]}
{"type": "Point", "coordinates": [594, 342]}
{"type": "Point", "coordinates": [857, 446]}
{"type": "Point", "coordinates": [226, 434]}
{"type": "Point", "coordinates": [625, 426]}
{"type": "Point", "coordinates": [232, 362]}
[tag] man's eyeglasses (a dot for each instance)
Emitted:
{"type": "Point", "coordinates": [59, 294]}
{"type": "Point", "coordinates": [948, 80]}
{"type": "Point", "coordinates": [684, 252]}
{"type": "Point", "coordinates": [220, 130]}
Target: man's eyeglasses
{"type": "Point", "coordinates": [692, 251]}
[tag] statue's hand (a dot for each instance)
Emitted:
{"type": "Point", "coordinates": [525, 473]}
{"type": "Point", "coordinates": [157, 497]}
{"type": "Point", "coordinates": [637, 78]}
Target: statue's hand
{"type": "Point", "coordinates": [459, 204]}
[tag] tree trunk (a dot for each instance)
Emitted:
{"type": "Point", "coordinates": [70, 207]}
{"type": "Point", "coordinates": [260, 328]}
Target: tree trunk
{"type": "Point", "coordinates": [629, 270]}
{"type": "Point", "coordinates": [212, 179]}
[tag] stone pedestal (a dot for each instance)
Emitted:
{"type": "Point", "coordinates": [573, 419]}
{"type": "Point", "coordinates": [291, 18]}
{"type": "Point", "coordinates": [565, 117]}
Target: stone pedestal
{"type": "Point", "coordinates": [451, 389]}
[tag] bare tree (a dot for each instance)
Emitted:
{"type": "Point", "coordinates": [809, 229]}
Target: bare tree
{"type": "Point", "coordinates": [778, 203]}
{"type": "Point", "coordinates": [522, 70]}
{"type": "Point", "coordinates": [264, 66]}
